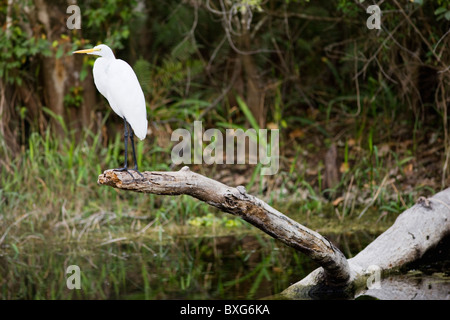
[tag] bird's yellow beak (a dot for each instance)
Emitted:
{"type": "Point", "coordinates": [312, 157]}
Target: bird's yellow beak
{"type": "Point", "coordinates": [86, 50]}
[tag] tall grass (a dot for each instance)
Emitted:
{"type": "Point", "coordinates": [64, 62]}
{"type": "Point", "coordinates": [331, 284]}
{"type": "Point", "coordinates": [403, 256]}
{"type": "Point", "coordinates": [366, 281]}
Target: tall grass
{"type": "Point", "coordinates": [51, 190]}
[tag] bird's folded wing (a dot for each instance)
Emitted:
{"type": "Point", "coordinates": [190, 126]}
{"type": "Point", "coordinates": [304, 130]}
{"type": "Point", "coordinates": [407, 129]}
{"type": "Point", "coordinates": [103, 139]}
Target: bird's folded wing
{"type": "Point", "coordinates": [125, 94]}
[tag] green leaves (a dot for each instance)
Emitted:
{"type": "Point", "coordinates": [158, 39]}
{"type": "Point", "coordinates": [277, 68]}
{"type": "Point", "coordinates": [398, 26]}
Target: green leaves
{"type": "Point", "coordinates": [442, 12]}
{"type": "Point", "coordinates": [247, 112]}
{"type": "Point", "coordinates": [112, 16]}
{"type": "Point", "coordinates": [210, 219]}
{"type": "Point", "coordinates": [16, 48]}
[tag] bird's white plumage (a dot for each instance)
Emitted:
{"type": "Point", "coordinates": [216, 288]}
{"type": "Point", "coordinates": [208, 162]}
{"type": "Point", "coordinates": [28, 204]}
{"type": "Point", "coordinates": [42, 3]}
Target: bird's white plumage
{"type": "Point", "coordinates": [117, 82]}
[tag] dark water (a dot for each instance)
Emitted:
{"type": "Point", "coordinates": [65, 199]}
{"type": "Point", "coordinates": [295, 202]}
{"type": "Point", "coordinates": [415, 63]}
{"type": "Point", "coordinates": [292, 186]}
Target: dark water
{"type": "Point", "coordinates": [228, 267]}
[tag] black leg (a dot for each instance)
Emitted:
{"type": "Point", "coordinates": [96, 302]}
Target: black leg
{"type": "Point", "coordinates": [125, 167]}
{"type": "Point", "coordinates": [134, 152]}
{"type": "Point", "coordinates": [125, 136]}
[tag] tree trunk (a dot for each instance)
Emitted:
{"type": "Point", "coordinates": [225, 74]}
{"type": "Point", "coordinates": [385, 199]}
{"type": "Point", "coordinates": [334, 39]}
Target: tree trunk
{"type": "Point", "coordinates": [254, 91]}
{"type": "Point", "coordinates": [414, 232]}
{"type": "Point", "coordinates": [59, 74]}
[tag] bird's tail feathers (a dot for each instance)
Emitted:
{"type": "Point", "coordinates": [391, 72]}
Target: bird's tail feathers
{"type": "Point", "coordinates": [141, 130]}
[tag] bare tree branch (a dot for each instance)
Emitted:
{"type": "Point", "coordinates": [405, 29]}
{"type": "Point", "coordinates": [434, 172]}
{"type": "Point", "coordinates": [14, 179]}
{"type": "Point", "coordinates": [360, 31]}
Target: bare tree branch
{"type": "Point", "coordinates": [238, 202]}
{"type": "Point", "coordinates": [414, 232]}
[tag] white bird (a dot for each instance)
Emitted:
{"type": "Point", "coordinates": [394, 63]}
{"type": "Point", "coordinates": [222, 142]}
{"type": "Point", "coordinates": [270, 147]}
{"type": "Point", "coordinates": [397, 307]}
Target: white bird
{"type": "Point", "coordinates": [117, 82]}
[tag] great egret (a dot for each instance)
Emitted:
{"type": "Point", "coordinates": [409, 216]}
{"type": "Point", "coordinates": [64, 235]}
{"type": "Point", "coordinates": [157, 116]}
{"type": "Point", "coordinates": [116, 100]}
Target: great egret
{"type": "Point", "coordinates": [117, 82]}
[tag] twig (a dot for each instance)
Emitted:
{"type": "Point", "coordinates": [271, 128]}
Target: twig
{"type": "Point", "coordinates": [399, 195]}
{"type": "Point", "coordinates": [14, 224]}
{"type": "Point", "coordinates": [358, 98]}
{"type": "Point", "coordinates": [439, 41]}
{"type": "Point", "coordinates": [430, 47]}
{"type": "Point", "coordinates": [112, 241]}
{"type": "Point", "coordinates": [375, 197]}
{"type": "Point", "coordinates": [222, 95]}
{"type": "Point", "coordinates": [347, 194]}
{"type": "Point", "coordinates": [226, 17]}
{"type": "Point", "coordinates": [308, 17]}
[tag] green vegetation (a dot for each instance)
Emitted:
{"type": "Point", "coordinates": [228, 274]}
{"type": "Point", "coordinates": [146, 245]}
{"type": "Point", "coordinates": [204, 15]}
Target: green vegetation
{"type": "Point", "coordinates": [309, 68]}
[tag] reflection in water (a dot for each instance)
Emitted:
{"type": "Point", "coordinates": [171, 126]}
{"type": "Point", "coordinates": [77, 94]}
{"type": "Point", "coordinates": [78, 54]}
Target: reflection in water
{"type": "Point", "coordinates": [425, 279]}
{"type": "Point", "coordinates": [412, 287]}
{"type": "Point", "coordinates": [228, 267]}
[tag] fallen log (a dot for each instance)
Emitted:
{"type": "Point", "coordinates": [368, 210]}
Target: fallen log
{"type": "Point", "coordinates": [413, 233]}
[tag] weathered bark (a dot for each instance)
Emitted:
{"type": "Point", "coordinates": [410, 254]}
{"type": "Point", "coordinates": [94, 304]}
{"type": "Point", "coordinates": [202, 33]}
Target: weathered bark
{"type": "Point", "coordinates": [54, 71]}
{"type": "Point", "coordinates": [414, 232]}
{"type": "Point", "coordinates": [238, 202]}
